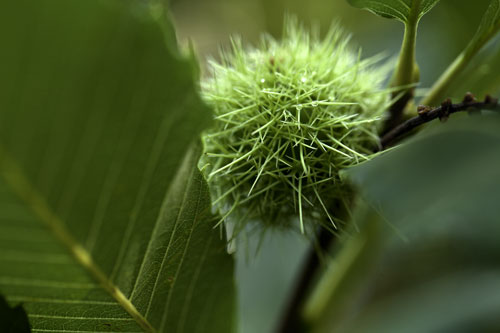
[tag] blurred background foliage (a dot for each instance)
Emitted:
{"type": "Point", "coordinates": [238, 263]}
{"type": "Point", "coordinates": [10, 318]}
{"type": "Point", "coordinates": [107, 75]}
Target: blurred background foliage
{"type": "Point", "coordinates": [443, 32]}
{"type": "Point", "coordinates": [265, 280]}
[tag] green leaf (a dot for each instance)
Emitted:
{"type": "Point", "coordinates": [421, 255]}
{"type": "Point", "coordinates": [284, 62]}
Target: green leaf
{"type": "Point", "coordinates": [447, 165]}
{"type": "Point", "coordinates": [434, 258]}
{"type": "Point", "coordinates": [403, 10]}
{"type": "Point", "coordinates": [105, 221]}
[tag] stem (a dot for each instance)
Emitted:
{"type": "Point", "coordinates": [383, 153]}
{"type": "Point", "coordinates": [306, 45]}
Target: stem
{"type": "Point", "coordinates": [334, 299]}
{"type": "Point", "coordinates": [407, 73]}
{"type": "Point", "coordinates": [483, 36]}
{"type": "Point", "coordinates": [292, 321]}
{"type": "Point", "coordinates": [332, 280]}
{"type": "Point", "coordinates": [406, 64]}
{"type": "Point", "coordinates": [443, 83]}
{"type": "Point", "coordinates": [442, 112]}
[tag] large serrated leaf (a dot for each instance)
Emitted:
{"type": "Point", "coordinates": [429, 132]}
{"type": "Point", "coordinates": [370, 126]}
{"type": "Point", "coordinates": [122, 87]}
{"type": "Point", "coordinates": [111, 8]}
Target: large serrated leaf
{"type": "Point", "coordinates": [402, 10]}
{"type": "Point", "coordinates": [105, 221]}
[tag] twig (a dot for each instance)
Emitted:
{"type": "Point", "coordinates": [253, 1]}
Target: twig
{"type": "Point", "coordinates": [396, 110]}
{"type": "Point", "coordinates": [291, 321]}
{"type": "Point", "coordinates": [427, 114]}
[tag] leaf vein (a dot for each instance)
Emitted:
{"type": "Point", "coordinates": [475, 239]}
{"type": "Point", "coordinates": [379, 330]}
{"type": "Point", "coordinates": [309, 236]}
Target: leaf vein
{"type": "Point", "coordinates": [176, 223]}
{"type": "Point", "coordinates": [195, 219]}
{"type": "Point", "coordinates": [15, 177]}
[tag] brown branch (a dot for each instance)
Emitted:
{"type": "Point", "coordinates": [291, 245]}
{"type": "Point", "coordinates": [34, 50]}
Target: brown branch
{"type": "Point", "coordinates": [427, 114]}
{"type": "Point", "coordinates": [396, 110]}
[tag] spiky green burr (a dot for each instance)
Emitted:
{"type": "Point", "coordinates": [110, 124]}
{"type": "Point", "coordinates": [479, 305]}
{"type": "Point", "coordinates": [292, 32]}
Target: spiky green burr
{"type": "Point", "coordinates": [289, 116]}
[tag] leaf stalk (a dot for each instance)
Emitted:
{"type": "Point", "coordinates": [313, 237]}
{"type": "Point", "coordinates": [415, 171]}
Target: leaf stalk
{"type": "Point", "coordinates": [407, 73]}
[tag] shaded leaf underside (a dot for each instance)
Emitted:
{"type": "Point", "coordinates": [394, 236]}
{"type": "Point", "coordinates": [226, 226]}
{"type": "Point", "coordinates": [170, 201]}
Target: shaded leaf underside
{"type": "Point", "coordinates": [105, 222]}
{"type": "Point", "coordinates": [437, 251]}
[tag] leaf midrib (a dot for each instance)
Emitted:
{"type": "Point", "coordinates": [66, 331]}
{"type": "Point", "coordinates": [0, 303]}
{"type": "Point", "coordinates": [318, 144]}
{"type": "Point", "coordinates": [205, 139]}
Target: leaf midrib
{"type": "Point", "coordinates": [15, 178]}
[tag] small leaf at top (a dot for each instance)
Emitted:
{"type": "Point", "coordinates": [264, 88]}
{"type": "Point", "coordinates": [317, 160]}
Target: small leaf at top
{"type": "Point", "coordinates": [402, 10]}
